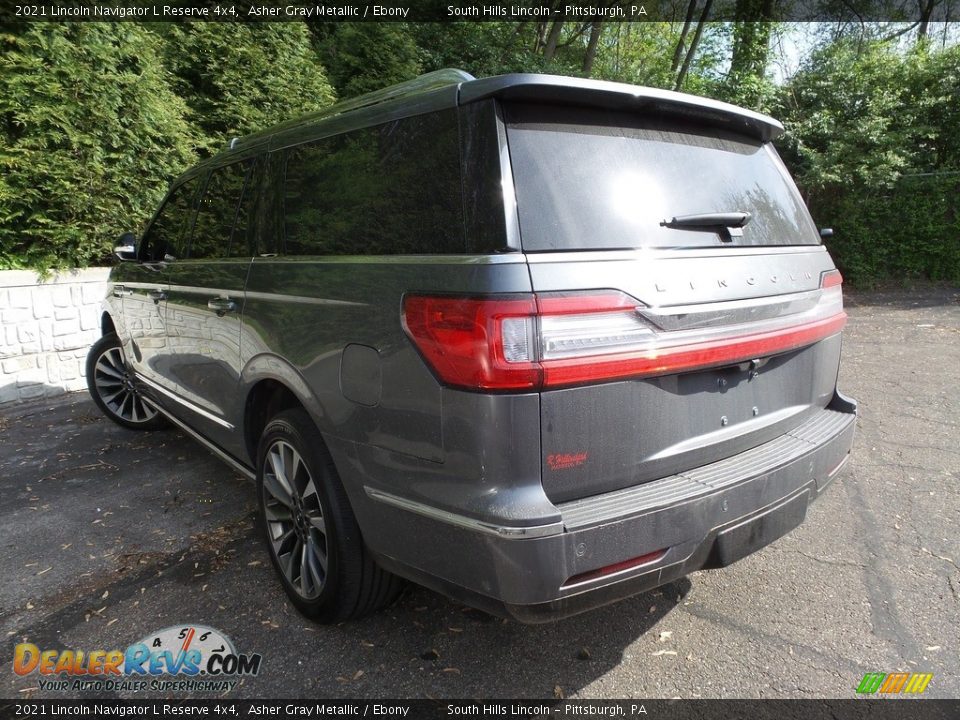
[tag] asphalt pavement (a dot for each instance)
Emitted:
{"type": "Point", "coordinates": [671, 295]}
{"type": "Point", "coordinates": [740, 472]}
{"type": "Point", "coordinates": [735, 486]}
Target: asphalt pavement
{"type": "Point", "coordinates": [109, 534]}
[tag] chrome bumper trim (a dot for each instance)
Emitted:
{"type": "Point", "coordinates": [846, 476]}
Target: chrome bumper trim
{"type": "Point", "coordinates": [186, 403]}
{"type": "Point", "coordinates": [507, 532]}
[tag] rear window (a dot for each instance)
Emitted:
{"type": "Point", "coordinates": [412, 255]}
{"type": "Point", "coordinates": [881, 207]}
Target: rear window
{"type": "Point", "coordinates": [591, 179]}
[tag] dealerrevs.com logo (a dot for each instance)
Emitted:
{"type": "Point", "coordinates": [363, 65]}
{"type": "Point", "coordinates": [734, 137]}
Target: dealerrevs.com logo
{"type": "Point", "coordinates": [185, 658]}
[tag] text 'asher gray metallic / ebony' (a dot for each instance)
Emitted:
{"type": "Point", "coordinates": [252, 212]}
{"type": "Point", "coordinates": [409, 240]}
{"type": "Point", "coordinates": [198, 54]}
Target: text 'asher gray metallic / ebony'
{"type": "Point", "coordinates": [539, 343]}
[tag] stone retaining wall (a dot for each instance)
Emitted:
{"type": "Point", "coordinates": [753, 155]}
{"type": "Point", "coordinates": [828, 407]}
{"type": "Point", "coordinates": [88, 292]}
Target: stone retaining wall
{"type": "Point", "coordinates": [48, 326]}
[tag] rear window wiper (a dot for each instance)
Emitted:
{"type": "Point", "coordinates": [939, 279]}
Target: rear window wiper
{"type": "Point", "coordinates": [731, 222]}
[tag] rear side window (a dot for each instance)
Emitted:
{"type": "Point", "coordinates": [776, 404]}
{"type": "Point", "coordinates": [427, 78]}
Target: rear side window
{"type": "Point", "coordinates": [165, 239]}
{"type": "Point", "coordinates": [591, 179]}
{"type": "Point", "coordinates": [220, 227]}
{"type": "Point", "coordinates": [383, 190]}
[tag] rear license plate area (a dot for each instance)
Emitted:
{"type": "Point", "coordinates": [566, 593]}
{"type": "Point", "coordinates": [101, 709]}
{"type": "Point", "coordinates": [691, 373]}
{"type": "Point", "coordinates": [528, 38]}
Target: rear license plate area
{"type": "Point", "coordinates": [749, 536]}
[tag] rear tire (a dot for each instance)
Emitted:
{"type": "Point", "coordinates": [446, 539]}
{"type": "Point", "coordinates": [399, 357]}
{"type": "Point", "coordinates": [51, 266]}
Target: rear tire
{"type": "Point", "coordinates": [310, 530]}
{"type": "Point", "coordinates": [113, 389]}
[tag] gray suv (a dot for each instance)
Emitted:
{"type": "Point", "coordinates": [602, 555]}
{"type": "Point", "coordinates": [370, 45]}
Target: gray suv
{"type": "Point", "coordinates": [538, 343]}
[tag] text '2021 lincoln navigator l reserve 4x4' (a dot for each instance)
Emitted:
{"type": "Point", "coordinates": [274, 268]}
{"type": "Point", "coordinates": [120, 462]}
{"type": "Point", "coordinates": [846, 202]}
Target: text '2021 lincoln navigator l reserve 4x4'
{"type": "Point", "coordinates": [538, 343]}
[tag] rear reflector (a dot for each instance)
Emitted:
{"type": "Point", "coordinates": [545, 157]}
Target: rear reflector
{"type": "Point", "coordinates": [839, 466]}
{"type": "Point", "coordinates": [534, 342]}
{"type": "Point", "coordinates": [615, 568]}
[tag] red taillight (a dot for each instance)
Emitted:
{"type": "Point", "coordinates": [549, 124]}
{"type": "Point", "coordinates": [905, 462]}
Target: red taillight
{"type": "Point", "coordinates": [534, 342]}
{"type": "Point", "coordinates": [723, 351]}
{"type": "Point", "coordinates": [831, 278]}
{"type": "Point", "coordinates": [463, 339]}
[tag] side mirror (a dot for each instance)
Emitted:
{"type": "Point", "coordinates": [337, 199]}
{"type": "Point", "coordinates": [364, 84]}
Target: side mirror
{"type": "Point", "coordinates": [826, 232]}
{"type": "Point", "coordinates": [126, 248]}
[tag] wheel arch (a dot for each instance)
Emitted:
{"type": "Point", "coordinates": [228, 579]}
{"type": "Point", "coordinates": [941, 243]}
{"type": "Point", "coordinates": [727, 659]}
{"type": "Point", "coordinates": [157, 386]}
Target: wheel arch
{"type": "Point", "coordinates": [273, 386]}
{"type": "Point", "coordinates": [107, 325]}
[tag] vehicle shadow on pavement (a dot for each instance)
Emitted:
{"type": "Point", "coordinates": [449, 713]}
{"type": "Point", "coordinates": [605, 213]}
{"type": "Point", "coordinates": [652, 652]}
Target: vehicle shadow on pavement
{"type": "Point", "coordinates": [492, 657]}
{"type": "Point", "coordinates": [115, 534]}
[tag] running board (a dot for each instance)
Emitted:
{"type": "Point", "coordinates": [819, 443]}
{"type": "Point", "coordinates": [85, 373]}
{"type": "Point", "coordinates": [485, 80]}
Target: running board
{"type": "Point", "coordinates": [228, 459]}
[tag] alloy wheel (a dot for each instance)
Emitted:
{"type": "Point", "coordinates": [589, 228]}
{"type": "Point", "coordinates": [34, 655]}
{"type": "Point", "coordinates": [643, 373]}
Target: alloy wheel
{"type": "Point", "coordinates": [117, 389]}
{"type": "Point", "coordinates": [295, 520]}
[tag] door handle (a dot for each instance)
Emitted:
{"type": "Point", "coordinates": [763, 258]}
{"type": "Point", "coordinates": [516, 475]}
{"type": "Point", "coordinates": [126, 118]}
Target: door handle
{"type": "Point", "coordinates": [222, 306]}
{"type": "Point", "coordinates": [157, 295]}
{"type": "Point", "coordinates": [119, 291]}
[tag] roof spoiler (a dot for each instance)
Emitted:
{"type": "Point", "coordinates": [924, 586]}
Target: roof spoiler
{"type": "Point", "coordinates": [623, 97]}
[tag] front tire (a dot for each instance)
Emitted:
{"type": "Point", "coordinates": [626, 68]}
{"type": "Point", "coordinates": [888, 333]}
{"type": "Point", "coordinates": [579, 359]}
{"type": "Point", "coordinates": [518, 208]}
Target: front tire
{"type": "Point", "coordinates": [113, 389]}
{"type": "Point", "coordinates": [310, 530]}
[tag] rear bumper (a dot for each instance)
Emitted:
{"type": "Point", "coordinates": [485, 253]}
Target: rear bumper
{"type": "Point", "coordinates": [707, 517]}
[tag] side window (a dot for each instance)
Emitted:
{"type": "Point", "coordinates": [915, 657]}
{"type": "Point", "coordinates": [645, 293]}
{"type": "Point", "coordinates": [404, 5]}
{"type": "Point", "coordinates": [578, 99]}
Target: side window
{"type": "Point", "coordinates": [165, 238]}
{"type": "Point", "coordinates": [267, 220]}
{"type": "Point", "coordinates": [389, 189]}
{"type": "Point", "coordinates": [221, 227]}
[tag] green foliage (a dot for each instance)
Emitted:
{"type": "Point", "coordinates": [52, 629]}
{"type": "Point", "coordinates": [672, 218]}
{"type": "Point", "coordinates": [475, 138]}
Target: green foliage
{"type": "Point", "coordinates": [97, 119]}
{"type": "Point", "coordinates": [362, 57]}
{"type": "Point", "coordinates": [911, 230]}
{"type": "Point", "coordinates": [639, 53]}
{"type": "Point", "coordinates": [862, 121]}
{"type": "Point", "coordinates": [237, 78]}
{"type": "Point", "coordinates": [747, 83]}
{"type": "Point", "coordinates": [480, 48]}
{"type": "Point", "coordinates": [845, 118]}
{"type": "Point", "coordinates": [95, 125]}
{"type": "Point", "coordinates": [91, 136]}
{"type": "Point", "coordinates": [931, 97]}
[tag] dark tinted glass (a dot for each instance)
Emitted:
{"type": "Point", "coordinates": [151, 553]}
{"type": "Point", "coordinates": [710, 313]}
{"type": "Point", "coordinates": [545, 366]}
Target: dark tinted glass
{"type": "Point", "coordinates": [483, 197]}
{"type": "Point", "coordinates": [389, 189]}
{"type": "Point", "coordinates": [220, 228]}
{"type": "Point", "coordinates": [165, 238]}
{"type": "Point", "coordinates": [589, 179]}
{"type": "Point", "coordinates": [267, 219]}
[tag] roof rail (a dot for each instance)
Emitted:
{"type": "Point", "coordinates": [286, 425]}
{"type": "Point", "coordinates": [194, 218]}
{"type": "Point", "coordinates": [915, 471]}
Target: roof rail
{"type": "Point", "coordinates": [422, 84]}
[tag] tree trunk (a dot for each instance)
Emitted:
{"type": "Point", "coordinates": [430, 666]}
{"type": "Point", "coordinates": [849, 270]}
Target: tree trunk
{"type": "Point", "coordinates": [693, 45]}
{"type": "Point", "coordinates": [926, 11]}
{"type": "Point", "coordinates": [552, 39]}
{"type": "Point", "coordinates": [540, 36]}
{"type": "Point", "coordinates": [751, 44]}
{"type": "Point", "coordinates": [678, 50]}
{"type": "Point", "coordinates": [591, 55]}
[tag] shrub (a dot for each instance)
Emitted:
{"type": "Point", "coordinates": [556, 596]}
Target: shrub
{"type": "Point", "coordinates": [90, 136]}
{"type": "Point", "coordinates": [911, 231]}
{"type": "Point", "coordinates": [237, 78]}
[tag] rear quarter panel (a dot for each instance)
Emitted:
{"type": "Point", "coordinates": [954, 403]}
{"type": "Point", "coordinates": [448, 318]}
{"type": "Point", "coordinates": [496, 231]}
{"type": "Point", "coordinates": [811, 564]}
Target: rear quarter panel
{"type": "Point", "coordinates": [307, 311]}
